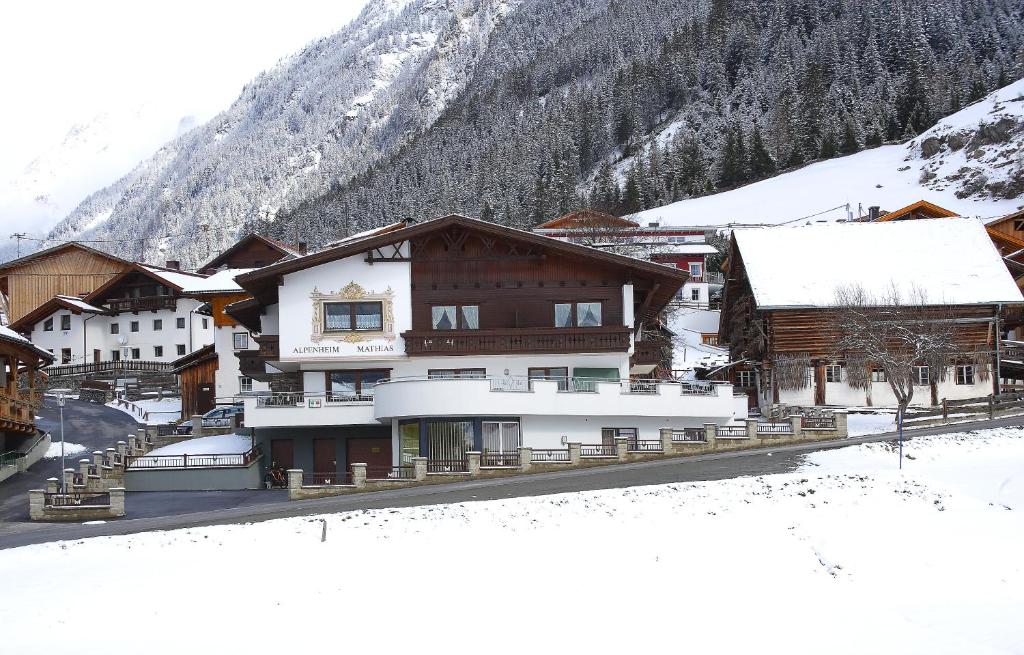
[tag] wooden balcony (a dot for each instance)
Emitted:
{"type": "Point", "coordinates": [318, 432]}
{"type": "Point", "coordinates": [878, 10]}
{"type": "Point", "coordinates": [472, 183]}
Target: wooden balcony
{"type": "Point", "coordinates": [516, 340]}
{"type": "Point", "coordinates": [148, 303]}
{"type": "Point", "coordinates": [18, 413]}
{"type": "Point", "coordinates": [649, 352]}
{"type": "Point", "coordinates": [252, 363]}
{"type": "Point", "coordinates": [111, 367]}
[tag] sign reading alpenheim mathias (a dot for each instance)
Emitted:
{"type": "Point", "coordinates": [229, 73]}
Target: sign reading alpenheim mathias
{"type": "Point", "coordinates": [337, 350]}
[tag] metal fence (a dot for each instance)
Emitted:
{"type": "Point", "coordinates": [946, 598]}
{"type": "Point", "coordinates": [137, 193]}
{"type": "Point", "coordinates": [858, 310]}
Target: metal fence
{"type": "Point", "coordinates": [327, 479]}
{"type": "Point", "coordinates": [819, 422]}
{"type": "Point", "coordinates": [780, 427]}
{"type": "Point", "coordinates": [84, 499]}
{"type": "Point", "coordinates": [731, 430]}
{"type": "Point", "coordinates": [549, 455]}
{"type": "Point", "coordinates": [688, 434]}
{"type": "Point", "coordinates": [499, 459]}
{"type": "Point", "coordinates": [390, 472]}
{"type": "Point", "coordinates": [644, 446]}
{"type": "Point", "coordinates": [447, 466]}
{"type": "Point", "coordinates": [598, 450]}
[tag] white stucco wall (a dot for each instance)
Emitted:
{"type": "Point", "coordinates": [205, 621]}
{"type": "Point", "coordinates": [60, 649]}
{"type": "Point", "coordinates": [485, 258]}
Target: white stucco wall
{"type": "Point", "coordinates": [841, 393]}
{"type": "Point", "coordinates": [226, 377]}
{"type": "Point", "coordinates": [296, 308]}
{"type": "Point", "coordinates": [98, 336]}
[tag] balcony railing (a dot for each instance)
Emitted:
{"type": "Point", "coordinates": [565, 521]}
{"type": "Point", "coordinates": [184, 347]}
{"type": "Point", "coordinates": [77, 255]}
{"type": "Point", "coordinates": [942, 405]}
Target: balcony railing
{"type": "Point", "coordinates": [142, 304]}
{"type": "Point", "coordinates": [522, 383]}
{"type": "Point", "coordinates": [301, 399]}
{"type": "Point", "coordinates": [649, 352]}
{"type": "Point", "coordinates": [517, 340]}
{"type": "Point", "coordinates": [184, 461]}
{"type": "Point", "coordinates": [118, 366]}
{"type": "Point", "coordinates": [709, 277]}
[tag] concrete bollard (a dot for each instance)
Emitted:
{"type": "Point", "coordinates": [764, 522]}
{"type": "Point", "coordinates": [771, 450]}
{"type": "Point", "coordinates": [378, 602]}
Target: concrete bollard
{"type": "Point", "coordinates": [36, 502]}
{"type": "Point", "coordinates": [751, 424]}
{"type": "Point", "coordinates": [575, 453]}
{"type": "Point", "coordinates": [473, 462]}
{"type": "Point", "coordinates": [710, 432]}
{"type": "Point", "coordinates": [797, 422]}
{"type": "Point", "coordinates": [842, 429]}
{"type": "Point", "coordinates": [117, 501]}
{"type": "Point", "coordinates": [52, 485]}
{"type": "Point", "coordinates": [525, 458]}
{"type": "Point", "coordinates": [621, 448]}
{"type": "Point", "coordinates": [419, 467]}
{"type": "Point", "coordinates": [666, 440]}
{"type": "Point", "coordinates": [294, 478]}
{"type": "Point", "coordinates": [359, 475]}
{"type": "Point", "coordinates": [197, 425]}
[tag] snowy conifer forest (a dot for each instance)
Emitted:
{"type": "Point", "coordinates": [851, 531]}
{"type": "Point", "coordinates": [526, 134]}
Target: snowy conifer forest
{"type": "Point", "coordinates": [518, 111]}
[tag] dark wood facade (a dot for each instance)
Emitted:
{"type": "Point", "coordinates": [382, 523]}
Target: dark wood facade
{"type": "Point", "coordinates": [757, 336]}
{"type": "Point", "coordinates": [196, 373]}
{"type": "Point", "coordinates": [252, 251]}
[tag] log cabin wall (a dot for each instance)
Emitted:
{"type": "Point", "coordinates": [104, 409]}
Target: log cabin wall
{"type": "Point", "coordinates": [193, 401]}
{"type": "Point", "coordinates": [71, 272]}
{"type": "Point", "coordinates": [515, 285]}
{"type": "Point", "coordinates": [255, 254]}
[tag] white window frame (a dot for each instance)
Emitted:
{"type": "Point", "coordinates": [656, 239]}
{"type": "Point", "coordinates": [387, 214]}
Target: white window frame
{"type": "Point", "coordinates": [234, 340]}
{"type": "Point", "coordinates": [695, 294]}
{"type": "Point", "coordinates": [696, 269]}
{"type": "Point", "coordinates": [742, 378]}
{"type": "Point", "coordinates": [831, 371]}
{"type": "Point", "coordinates": [921, 380]}
{"type": "Point", "coordinates": [243, 382]}
{"type": "Point", "coordinates": [962, 374]}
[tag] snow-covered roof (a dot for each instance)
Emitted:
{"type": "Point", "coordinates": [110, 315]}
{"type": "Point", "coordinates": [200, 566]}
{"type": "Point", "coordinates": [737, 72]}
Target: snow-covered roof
{"type": "Point", "coordinates": [82, 305]}
{"type": "Point", "coordinates": [952, 260]}
{"type": "Point", "coordinates": [11, 334]}
{"type": "Point", "coordinates": [220, 281]}
{"type": "Point", "coordinates": [179, 279]}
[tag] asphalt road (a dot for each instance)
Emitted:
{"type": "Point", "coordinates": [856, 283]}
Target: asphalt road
{"type": "Point", "coordinates": [97, 427]}
{"type": "Point", "coordinates": [208, 509]}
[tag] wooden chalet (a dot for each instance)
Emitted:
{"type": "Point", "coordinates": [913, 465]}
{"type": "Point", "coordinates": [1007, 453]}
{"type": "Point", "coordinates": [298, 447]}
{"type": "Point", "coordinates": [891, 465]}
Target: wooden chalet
{"type": "Point", "coordinates": [779, 300]}
{"type": "Point", "coordinates": [70, 269]}
{"type": "Point", "coordinates": [196, 373]}
{"type": "Point", "coordinates": [252, 251]}
{"type": "Point", "coordinates": [460, 261]}
{"type": "Point", "coordinates": [914, 211]}
{"type": "Point", "coordinates": [19, 396]}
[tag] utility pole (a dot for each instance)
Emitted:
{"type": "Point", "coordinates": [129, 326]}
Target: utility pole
{"type": "Point", "coordinates": [19, 236]}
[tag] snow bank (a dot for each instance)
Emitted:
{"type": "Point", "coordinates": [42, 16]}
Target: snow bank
{"type": "Point", "coordinates": [69, 449]}
{"type": "Point", "coordinates": [845, 556]}
{"type": "Point", "coordinates": [220, 444]}
{"type": "Point", "coordinates": [160, 411]}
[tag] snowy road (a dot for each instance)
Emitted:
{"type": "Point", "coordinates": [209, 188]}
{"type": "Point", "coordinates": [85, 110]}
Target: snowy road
{"type": "Point", "coordinates": [190, 509]}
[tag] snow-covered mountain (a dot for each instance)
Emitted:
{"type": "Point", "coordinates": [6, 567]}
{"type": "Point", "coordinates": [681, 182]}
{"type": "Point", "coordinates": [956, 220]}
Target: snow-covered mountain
{"type": "Point", "coordinates": [971, 162]}
{"type": "Point", "coordinates": [518, 110]}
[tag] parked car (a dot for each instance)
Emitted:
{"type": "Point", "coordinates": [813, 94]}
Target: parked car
{"type": "Point", "coordinates": [218, 417]}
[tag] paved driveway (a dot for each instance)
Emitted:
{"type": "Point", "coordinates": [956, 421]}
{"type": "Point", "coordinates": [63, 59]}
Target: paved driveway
{"type": "Point", "coordinates": [188, 510]}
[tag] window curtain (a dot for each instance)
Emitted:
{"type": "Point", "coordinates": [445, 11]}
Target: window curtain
{"type": "Point", "coordinates": [588, 314]}
{"type": "Point", "coordinates": [443, 317]}
{"type": "Point", "coordinates": [563, 315]}
{"type": "Point", "coordinates": [368, 316]}
{"type": "Point", "coordinates": [470, 317]}
{"type": "Point", "coordinates": [337, 316]}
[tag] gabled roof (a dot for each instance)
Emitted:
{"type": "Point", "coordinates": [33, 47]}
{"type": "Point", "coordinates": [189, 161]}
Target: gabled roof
{"type": "Point", "coordinates": [802, 267]}
{"type": "Point", "coordinates": [921, 206]}
{"type": "Point", "coordinates": [10, 336]}
{"type": "Point", "coordinates": [1008, 217]}
{"type": "Point", "coordinates": [14, 263]}
{"type": "Point", "coordinates": [194, 358]}
{"type": "Point", "coordinates": [284, 249]}
{"type": "Point", "coordinates": [587, 218]}
{"type": "Point", "coordinates": [262, 282]}
{"type": "Point", "coordinates": [173, 278]}
{"type": "Point", "coordinates": [73, 304]}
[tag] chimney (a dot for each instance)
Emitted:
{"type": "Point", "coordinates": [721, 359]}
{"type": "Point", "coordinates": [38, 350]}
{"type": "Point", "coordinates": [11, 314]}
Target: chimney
{"type": "Point", "coordinates": [173, 264]}
{"type": "Point", "coordinates": [873, 213]}
{"type": "Point", "coordinates": [303, 248]}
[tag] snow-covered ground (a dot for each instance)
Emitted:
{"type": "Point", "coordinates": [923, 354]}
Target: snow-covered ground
{"type": "Point", "coordinates": [219, 444]}
{"type": "Point", "coordinates": [69, 449]}
{"type": "Point", "coordinates": [160, 411]}
{"type": "Point", "coordinates": [846, 555]}
{"type": "Point", "coordinates": [889, 177]}
{"type": "Point", "coordinates": [872, 422]}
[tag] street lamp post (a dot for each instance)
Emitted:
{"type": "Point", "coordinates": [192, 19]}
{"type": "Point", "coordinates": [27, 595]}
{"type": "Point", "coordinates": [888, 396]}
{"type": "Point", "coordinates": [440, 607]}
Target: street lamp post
{"type": "Point", "coordinates": [63, 478]}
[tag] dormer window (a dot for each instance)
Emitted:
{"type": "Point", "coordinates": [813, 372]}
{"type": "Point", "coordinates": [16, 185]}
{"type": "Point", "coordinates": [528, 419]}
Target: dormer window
{"type": "Point", "coordinates": [48, 325]}
{"type": "Point", "coordinates": [353, 316]}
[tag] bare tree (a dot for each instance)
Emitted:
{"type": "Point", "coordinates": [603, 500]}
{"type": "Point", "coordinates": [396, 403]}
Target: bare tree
{"type": "Point", "coordinates": [894, 334]}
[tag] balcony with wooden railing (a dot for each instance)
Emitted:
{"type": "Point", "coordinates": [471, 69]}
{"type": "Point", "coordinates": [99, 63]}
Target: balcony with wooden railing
{"type": "Point", "coordinates": [649, 351]}
{"type": "Point", "coordinates": [252, 363]}
{"type": "Point", "coordinates": [516, 340]}
{"type": "Point", "coordinates": [142, 304]}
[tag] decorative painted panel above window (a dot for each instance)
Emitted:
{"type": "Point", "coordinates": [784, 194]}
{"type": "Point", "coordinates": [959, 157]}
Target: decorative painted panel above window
{"type": "Point", "coordinates": [353, 314]}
